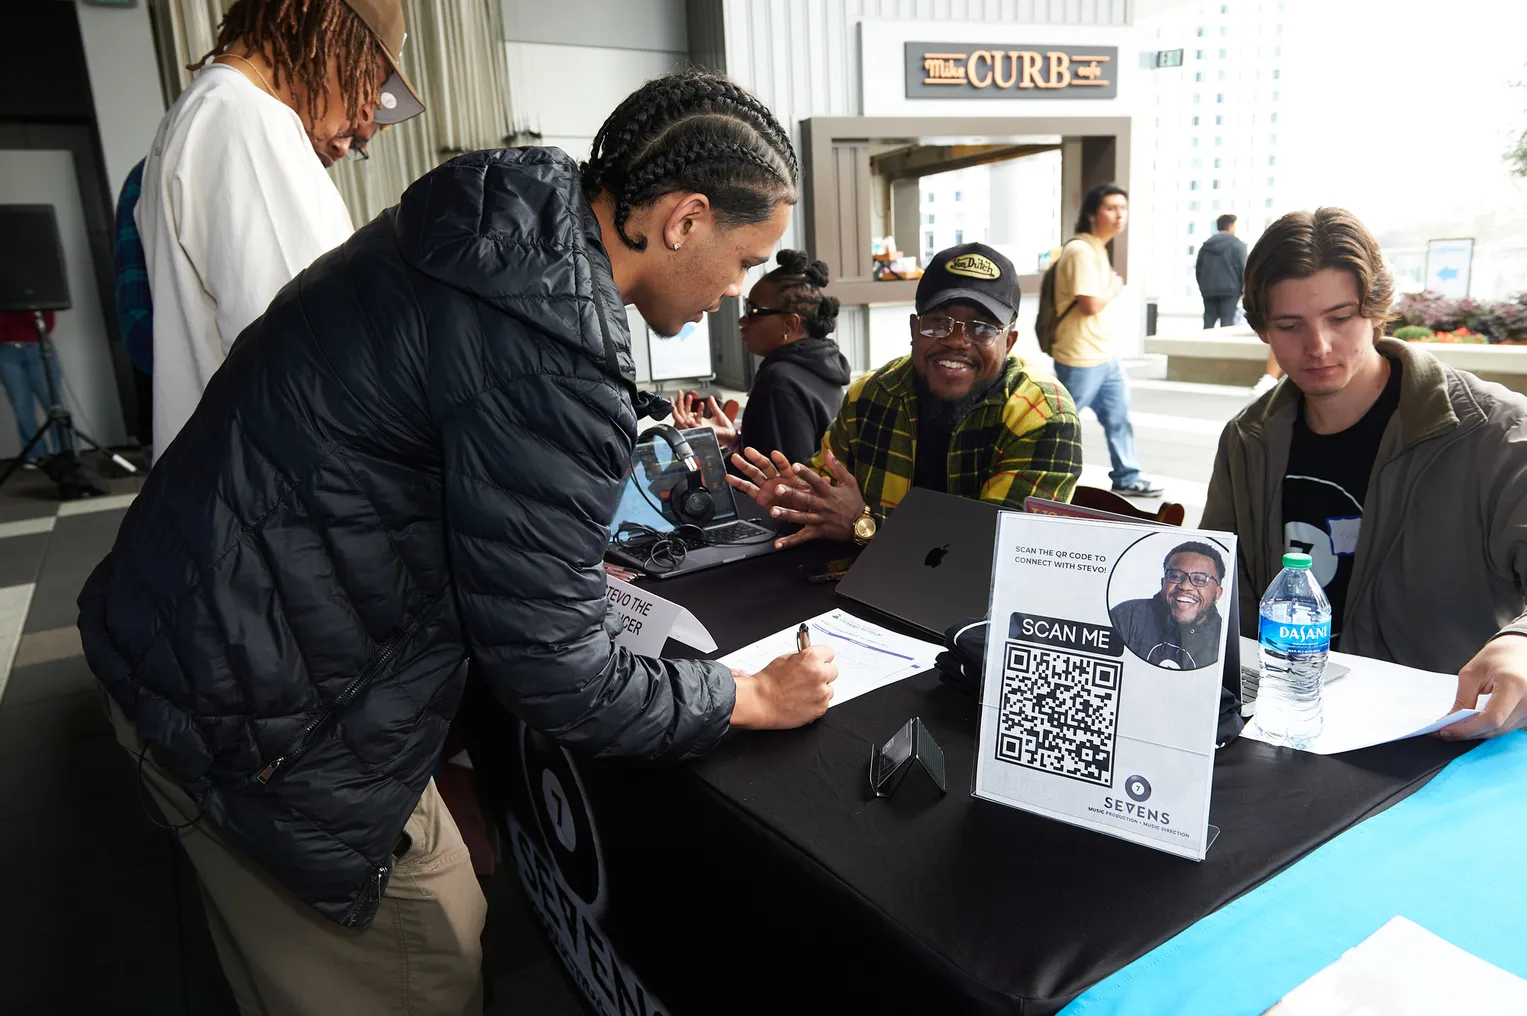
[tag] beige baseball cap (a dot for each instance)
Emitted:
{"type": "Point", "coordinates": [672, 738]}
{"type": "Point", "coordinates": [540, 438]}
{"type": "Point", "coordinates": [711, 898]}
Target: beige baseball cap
{"type": "Point", "coordinates": [399, 100]}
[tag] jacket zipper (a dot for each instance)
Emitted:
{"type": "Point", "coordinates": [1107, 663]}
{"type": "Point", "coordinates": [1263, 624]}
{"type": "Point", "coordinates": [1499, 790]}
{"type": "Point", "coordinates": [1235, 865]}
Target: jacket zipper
{"type": "Point", "coordinates": [371, 894]}
{"type": "Point", "coordinates": [320, 723]}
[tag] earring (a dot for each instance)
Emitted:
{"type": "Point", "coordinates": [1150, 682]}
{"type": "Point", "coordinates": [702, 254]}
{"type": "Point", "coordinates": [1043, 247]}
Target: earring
{"type": "Point", "coordinates": [675, 246]}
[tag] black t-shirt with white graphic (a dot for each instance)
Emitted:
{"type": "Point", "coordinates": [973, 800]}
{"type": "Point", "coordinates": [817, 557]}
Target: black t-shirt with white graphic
{"type": "Point", "coordinates": [1324, 490]}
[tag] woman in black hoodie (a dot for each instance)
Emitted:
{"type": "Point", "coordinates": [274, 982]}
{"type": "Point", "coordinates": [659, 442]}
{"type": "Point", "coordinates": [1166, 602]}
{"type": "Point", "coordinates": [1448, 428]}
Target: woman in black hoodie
{"type": "Point", "coordinates": [799, 387]}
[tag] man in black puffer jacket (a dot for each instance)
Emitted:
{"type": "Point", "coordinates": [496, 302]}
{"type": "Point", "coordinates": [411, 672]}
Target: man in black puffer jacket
{"type": "Point", "coordinates": [412, 458]}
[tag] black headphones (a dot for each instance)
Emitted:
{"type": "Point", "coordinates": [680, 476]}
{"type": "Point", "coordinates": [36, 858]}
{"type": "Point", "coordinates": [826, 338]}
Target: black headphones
{"type": "Point", "coordinates": [691, 501]}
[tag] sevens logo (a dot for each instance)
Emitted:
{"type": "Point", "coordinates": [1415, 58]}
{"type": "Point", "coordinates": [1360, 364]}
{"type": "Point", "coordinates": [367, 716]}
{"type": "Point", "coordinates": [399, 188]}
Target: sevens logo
{"type": "Point", "coordinates": [1138, 788]}
{"type": "Point", "coordinates": [562, 812]}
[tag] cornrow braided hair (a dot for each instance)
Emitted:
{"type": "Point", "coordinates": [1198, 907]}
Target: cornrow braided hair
{"type": "Point", "coordinates": [692, 132]}
{"type": "Point", "coordinates": [301, 38]}
{"type": "Point", "coordinates": [800, 281]}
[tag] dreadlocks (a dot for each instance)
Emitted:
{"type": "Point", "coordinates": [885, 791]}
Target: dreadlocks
{"type": "Point", "coordinates": [693, 132]}
{"type": "Point", "coordinates": [300, 38]}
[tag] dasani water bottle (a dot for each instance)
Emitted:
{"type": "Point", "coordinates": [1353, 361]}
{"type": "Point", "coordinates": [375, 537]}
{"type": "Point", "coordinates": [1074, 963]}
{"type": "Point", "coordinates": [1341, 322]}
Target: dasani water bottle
{"type": "Point", "coordinates": [1295, 634]}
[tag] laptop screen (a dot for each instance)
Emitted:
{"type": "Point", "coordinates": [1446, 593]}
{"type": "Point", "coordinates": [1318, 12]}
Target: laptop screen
{"type": "Point", "coordinates": [654, 472]}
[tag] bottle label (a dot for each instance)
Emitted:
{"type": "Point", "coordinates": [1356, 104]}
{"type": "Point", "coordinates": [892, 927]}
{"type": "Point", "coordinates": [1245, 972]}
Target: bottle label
{"type": "Point", "coordinates": [1295, 638]}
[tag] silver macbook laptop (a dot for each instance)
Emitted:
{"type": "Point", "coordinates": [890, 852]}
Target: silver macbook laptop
{"type": "Point", "coordinates": [643, 503]}
{"type": "Point", "coordinates": [930, 564]}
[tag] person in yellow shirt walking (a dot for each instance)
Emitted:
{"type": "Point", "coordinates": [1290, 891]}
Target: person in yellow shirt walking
{"type": "Point", "coordinates": [1085, 283]}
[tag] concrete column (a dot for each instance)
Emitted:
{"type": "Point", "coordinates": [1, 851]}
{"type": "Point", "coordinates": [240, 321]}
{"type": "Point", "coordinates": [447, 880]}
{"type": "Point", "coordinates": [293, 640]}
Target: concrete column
{"type": "Point", "coordinates": [907, 216]}
{"type": "Point", "coordinates": [124, 83]}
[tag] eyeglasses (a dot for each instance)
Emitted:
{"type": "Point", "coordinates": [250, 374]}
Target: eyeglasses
{"type": "Point", "coordinates": [1176, 576]}
{"type": "Point", "coordinates": [751, 311]}
{"type": "Point", "coordinates": [358, 152]}
{"type": "Point", "coordinates": [941, 326]}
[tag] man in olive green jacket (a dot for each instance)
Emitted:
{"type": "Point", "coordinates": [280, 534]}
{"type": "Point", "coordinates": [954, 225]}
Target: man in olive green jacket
{"type": "Point", "coordinates": [1405, 479]}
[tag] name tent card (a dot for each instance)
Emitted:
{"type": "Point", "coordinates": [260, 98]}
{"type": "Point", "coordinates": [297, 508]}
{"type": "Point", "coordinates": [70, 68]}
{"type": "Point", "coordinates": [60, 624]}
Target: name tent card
{"type": "Point", "coordinates": [1102, 681]}
{"type": "Point", "coordinates": [648, 621]}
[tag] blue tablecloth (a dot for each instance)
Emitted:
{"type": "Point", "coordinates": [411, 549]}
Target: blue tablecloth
{"type": "Point", "coordinates": [1452, 857]}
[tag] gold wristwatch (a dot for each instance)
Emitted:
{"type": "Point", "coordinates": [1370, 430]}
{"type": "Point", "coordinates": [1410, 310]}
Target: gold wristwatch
{"type": "Point", "coordinates": [864, 527]}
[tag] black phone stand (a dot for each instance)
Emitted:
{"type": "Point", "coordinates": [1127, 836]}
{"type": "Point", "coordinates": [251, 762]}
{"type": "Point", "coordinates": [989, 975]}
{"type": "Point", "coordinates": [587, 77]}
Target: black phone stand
{"type": "Point", "coordinates": [911, 747]}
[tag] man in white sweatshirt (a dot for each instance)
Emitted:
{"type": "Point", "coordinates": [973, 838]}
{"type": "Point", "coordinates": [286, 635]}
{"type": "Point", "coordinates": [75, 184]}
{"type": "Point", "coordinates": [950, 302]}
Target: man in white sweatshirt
{"type": "Point", "coordinates": [235, 200]}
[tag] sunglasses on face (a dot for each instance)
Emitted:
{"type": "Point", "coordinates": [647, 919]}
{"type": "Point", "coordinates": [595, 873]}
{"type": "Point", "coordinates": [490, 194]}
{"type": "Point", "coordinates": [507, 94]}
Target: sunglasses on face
{"type": "Point", "coordinates": [751, 311]}
{"type": "Point", "coordinates": [941, 326]}
{"type": "Point", "coordinates": [1176, 576]}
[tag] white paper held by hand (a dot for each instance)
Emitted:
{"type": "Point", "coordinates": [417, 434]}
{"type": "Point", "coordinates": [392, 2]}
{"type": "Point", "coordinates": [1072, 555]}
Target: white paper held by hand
{"type": "Point", "coordinates": [1372, 702]}
{"type": "Point", "coordinates": [868, 656]}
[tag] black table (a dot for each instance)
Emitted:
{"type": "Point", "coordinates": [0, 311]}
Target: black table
{"type": "Point", "coordinates": [767, 878]}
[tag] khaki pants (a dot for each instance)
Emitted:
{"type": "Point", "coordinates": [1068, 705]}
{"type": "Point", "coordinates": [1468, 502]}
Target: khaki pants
{"type": "Point", "coordinates": [422, 956]}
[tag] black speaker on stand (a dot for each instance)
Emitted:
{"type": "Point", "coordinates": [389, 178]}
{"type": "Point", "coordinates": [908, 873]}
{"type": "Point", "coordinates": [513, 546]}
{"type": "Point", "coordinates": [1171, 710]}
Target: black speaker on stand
{"type": "Point", "coordinates": [32, 280]}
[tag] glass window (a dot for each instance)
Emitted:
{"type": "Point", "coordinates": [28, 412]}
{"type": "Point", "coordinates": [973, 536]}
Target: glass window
{"type": "Point", "coordinates": [1218, 141]}
{"type": "Point", "coordinates": [1196, 98]}
{"type": "Point", "coordinates": [1272, 160]}
{"type": "Point", "coordinates": [1198, 75]}
{"type": "Point", "coordinates": [960, 195]}
{"type": "Point", "coordinates": [928, 241]}
{"type": "Point", "coordinates": [928, 219]}
{"type": "Point", "coordinates": [930, 197]}
{"type": "Point", "coordinates": [1195, 142]}
{"type": "Point", "coordinates": [1195, 121]}
{"type": "Point", "coordinates": [1222, 54]}
{"type": "Point", "coordinates": [1276, 74]}
{"type": "Point", "coordinates": [1220, 97]}
{"type": "Point", "coordinates": [1224, 29]}
{"type": "Point", "coordinates": [1200, 32]}
{"type": "Point", "coordinates": [1216, 205]}
{"type": "Point", "coordinates": [1193, 185]}
{"type": "Point", "coordinates": [1191, 249]}
{"type": "Point", "coordinates": [1224, 8]}
{"type": "Point", "coordinates": [1198, 55]}
{"type": "Point", "coordinates": [959, 236]}
{"type": "Point", "coordinates": [1222, 75]}
{"type": "Point", "coordinates": [1193, 206]}
{"type": "Point", "coordinates": [1275, 118]}
{"type": "Point", "coordinates": [1216, 185]}
{"type": "Point", "coordinates": [1216, 163]}
{"type": "Point", "coordinates": [1269, 202]}
{"type": "Point", "coordinates": [1275, 95]}
{"type": "Point", "coordinates": [1269, 181]}
{"type": "Point", "coordinates": [1190, 229]}
{"type": "Point", "coordinates": [1218, 120]}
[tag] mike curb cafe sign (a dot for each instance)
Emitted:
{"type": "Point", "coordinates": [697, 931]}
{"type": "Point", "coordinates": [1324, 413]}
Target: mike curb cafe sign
{"type": "Point", "coordinates": [943, 70]}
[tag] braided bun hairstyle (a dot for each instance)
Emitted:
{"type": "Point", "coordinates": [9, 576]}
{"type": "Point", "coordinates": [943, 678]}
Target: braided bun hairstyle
{"type": "Point", "coordinates": [801, 281]}
{"type": "Point", "coordinates": [692, 132]}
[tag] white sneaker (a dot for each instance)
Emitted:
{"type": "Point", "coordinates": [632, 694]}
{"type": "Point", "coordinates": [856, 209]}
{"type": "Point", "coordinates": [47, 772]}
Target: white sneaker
{"type": "Point", "coordinates": [1263, 385]}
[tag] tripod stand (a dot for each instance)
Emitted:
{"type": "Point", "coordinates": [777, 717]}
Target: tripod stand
{"type": "Point", "coordinates": [64, 467]}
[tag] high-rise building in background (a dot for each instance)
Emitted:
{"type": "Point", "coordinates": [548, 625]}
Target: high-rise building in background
{"type": "Point", "coordinates": [1216, 122]}
{"type": "Point", "coordinates": [1012, 205]}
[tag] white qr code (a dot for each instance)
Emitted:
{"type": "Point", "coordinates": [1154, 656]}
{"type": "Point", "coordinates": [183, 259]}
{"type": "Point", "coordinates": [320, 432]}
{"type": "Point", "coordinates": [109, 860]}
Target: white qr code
{"type": "Point", "coordinates": [1059, 712]}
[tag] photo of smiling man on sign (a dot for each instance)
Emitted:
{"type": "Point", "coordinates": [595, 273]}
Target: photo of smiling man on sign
{"type": "Point", "coordinates": [1179, 627]}
{"type": "Point", "coordinates": [960, 415]}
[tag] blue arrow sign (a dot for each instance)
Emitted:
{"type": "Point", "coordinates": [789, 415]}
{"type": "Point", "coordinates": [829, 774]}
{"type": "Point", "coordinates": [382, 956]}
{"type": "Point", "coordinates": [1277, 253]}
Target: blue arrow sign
{"type": "Point", "coordinates": [1447, 274]}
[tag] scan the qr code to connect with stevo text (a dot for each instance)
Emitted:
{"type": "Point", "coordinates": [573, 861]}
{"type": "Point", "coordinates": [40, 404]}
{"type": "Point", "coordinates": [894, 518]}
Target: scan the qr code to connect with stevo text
{"type": "Point", "coordinates": [1059, 712]}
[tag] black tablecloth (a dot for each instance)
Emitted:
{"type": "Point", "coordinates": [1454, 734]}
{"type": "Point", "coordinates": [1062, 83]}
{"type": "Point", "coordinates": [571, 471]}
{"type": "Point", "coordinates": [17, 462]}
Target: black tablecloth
{"type": "Point", "coordinates": [768, 878]}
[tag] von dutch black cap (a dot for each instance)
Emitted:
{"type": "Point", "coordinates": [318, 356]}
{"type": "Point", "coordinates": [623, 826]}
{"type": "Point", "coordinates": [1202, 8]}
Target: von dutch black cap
{"type": "Point", "coordinates": [974, 272]}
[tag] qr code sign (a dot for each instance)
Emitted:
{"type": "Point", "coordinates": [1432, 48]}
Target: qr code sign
{"type": "Point", "coordinates": [1059, 712]}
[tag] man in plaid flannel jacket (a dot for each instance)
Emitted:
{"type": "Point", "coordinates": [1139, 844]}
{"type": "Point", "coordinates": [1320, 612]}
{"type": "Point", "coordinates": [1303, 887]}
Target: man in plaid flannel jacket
{"type": "Point", "coordinates": [959, 414]}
